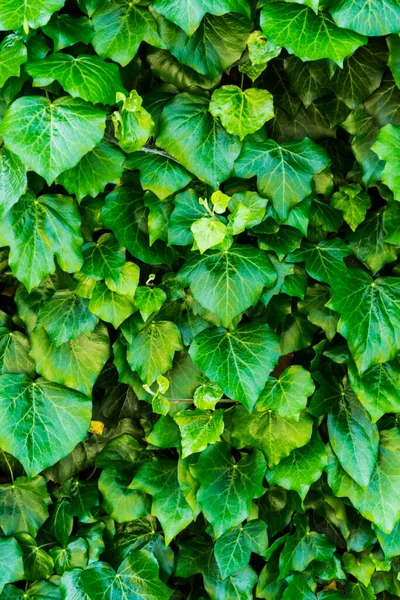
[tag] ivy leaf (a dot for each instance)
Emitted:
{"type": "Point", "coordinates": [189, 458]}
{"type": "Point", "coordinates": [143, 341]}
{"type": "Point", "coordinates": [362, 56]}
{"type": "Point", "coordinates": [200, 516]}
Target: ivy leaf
{"type": "Point", "coordinates": [199, 428]}
{"type": "Point", "coordinates": [187, 210]}
{"type": "Point", "coordinates": [378, 18]}
{"type": "Point", "coordinates": [69, 128]}
{"type": "Point", "coordinates": [385, 147]}
{"type": "Point", "coordinates": [361, 568]}
{"type": "Point", "coordinates": [228, 282]}
{"type": "Point", "coordinates": [188, 15]}
{"type": "Point", "coordinates": [159, 478]}
{"type": "Point", "coordinates": [199, 142]}
{"type": "Point", "coordinates": [11, 565]}
{"type": "Point", "coordinates": [65, 316]}
{"type": "Point", "coordinates": [36, 229]}
{"type": "Point", "coordinates": [159, 173]}
{"type": "Point", "coordinates": [298, 588]}
{"type": "Point", "coordinates": [133, 125]}
{"type": "Point", "coordinates": [353, 203]}
{"type": "Point", "coordinates": [239, 361]}
{"type": "Point", "coordinates": [369, 243]}
{"type": "Point", "coordinates": [14, 353]}
{"type": "Point", "coordinates": [27, 13]}
{"type": "Point", "coordinates": [274, 435]}
{"type": "Point", "coordinates": [228, 487]}
{"type": "Point", "coordinates": [354, 439]}
{"type": "Point", "coordinates": [110, 306]}
{"type": "Point", "coordinates": [32, 415]}
{"type": "Point", "coordinates": [287, 395]}
{"type": "Point", "coordinates": [99, 167]}
{"type": "Point", "coordinates": [149, 300]}
{"type": "Point", "coordinates": [369, 317]}
{"type": "Point", "coordinates": [23, 505]}
{"type": "Point", "coordinates": [137, 577]}
{"type": "Point", "coordinates": [154, 349]}
{"type": "Point", "coordinates": [308, 35]}
{"type": "Point", "coordinates": [66, 30]}
{"type": "Point", "coordinates": [120, 28]}
{"type": "Point", "coordinates": [378, 501]}
{"type": "Point", "coordinates": [302, 468]}
{"type": "Point", "coordinates": [324, 261]}
{"type": "Point", "coordinates": [234, 547]}
{"type": "Point", "coordinates": [284, 171]}
{"type": "Point", "coordinates": [37, 563]}
{"type": "Point", "coordinates": [76, 363]}
{"type": "Point", "coordinates": [103, 259]}
{"type": "Point", "coordinates": [84, 76]}
{"type": "Point", "coordinates": [208, 232]}
{"type": "Point", "coordinates": [314, 306]}
{"type": "Point", "coordinates": [12, 180]}
{"type": "Point", "coordinates": [71, 557]}
{"type": "Point", "coordinates": [241, 113]}
{"type": "Point", "coordinates": [127, 281]}
{"type": "Point", "coordinates": [13, 54]}
{"type": "Point", "coordinates": [390, 542]}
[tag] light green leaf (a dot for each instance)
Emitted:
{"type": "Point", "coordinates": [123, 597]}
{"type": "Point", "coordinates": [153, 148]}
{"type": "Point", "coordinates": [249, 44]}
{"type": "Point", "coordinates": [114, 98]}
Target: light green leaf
{"type": "Point", "coordinates": [11, 565]}
{"type": "Point", "coordinates": [188, 15]}
{"type": "Point", "coordinates": [75, 364]}
{"type": "Point", "coordinates": [149, 300]}
{"type": "Point", "coordinates": [127, 281]}
{"type": "Point", "coordinates": [159, 173]}
{"type": "Point", "coordinates": [371, 17]}
{"type": "Point", "coordinates": [84, 76]}
{"type": "Point", "coordinates": [206, 396]}
{"type": "Point", "coordinates": [69, 128]}
{"type": "Point", "coordinates": [369, 316]}
{"type": "Point", "coordinates": [32, 417]}
{"type": "Point", "coordinates": [284, 171]}
{"type": "Point", "coordinates": [66, 30]}
{"type": "Point", "coordinates": [287, 395]}
{"type": "Point", "coordinates": [103, 258]}
{"type": "Point", "coordinates": [159, 478]}
{"type": "Point", "coordinates": [241, 113]}
{"type": "Point", "coordinates": [14, 353]}
{"type": "Point", "coordinates": [301, 468]}
{"type": "Point", "coordinates": [353, 203]}
{"type": "Point", "coordinates": [199, 428]}
{"type": "Point", "coordinates": [227, 487]}
{"type": "Point", "coordinates": [36, 229]}
{"type": "Point", "coordinates": [65, 316]}
{"type": "Point", "coordinates": [12, 180]}
{"type": "Point", "coordinates": [239, 361]}
{"type": "Point", "coordinates": [208, 232]}
{"type": "Point", "coordinates": [110, 306]}
{"type": "Point", "coordinates": [199, 142]}
{"type": "Point", "coordinates": [324, 261]}
{"type": "Point", "coordinates": [154, 349]}
{"type": "Point", "coordinates": [99, 167]}
{"type": "Point", "coordinates": [362, 568]}
{"type": "Point", "coordinates": [308, 35]}
{"type": "Point", "coordinates": [379, 500]}
{"type": "Point", "coordinates": [386, 147]}
{"type": "Point", "coordinates": [228, 282]}
{"type": "Point", "coordinates": [13, 54]}
{"type": "Point", "coordinates": [15, 14]}
{"type": "Point", "coordinates": [133, 125]}
{"type": "Point", "coordinates": [120, 28]}
{"type": "Point", "coordinates": [234, 547]}
{"type": "Point", "coordinates": [23, 505]}
{"type": "Point", "coordinates": [274, 435]}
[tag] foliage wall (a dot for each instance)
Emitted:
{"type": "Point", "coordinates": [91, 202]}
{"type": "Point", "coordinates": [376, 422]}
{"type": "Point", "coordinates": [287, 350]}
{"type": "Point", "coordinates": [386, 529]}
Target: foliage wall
{"type": "Point", "coordinates": [200, 299]}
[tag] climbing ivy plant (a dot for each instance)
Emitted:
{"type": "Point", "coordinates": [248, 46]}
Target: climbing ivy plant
{"type": "Point", "coordinates": [199, 299]}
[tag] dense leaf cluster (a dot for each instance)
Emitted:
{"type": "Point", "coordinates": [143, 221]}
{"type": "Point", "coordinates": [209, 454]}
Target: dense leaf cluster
{"type": "Point", "coordinates": [200, 299]}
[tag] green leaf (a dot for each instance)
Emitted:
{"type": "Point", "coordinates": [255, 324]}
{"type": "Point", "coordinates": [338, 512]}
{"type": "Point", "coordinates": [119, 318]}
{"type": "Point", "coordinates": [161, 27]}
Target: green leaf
{"type": "Point", "coordinates": [98, 168]}
{"type": "Point", "coordinates": [187, 210]}
{"type": "Point", "coordinates": [369, 243]}
{"type": "Point", "coordinates": [308, 35]}
{"type": "Point", "coordinates": [227, 487]}
{"type": "Point", "coordinates": [354, 439]}
{"type": "Point", "coordinates": [84, 76]}
{"type": "Point", "coordinates": [199, 428]}
{"type": "Point", "coordinates": [188, 15]}
{"type": "Point", "coordinates": [302, 468]}
{"type": "Point", "coordinates": [378, 501]}
{"type": "Point", "coordinates": [14, 353]}
{"type": "Point", "coordinates": [390, 542]}
{"type": "Point", "coordinates": [65, 316]}
{"type": "Point", "coordinates": [103, 259]}
{"type": "Point", "coordinates": [76, 363]}
{"type": "Point", "coordinates": [154, 349]}
{"type": "Point", "coordinates": [241, 113]}
{"type": "Point", "coordinates": [317, 313]}
{"type": "Point", "coordinates": [287, 395]}
{"type": "Point", "coordinates": [369, 317]}
{"type": "Point", "coordinates": [36, 229]}
{"type": "Point", "coordinates": [12, 180]}
{"type": "Point", "coordinates": [110, 306]}
{"type": "Point", "coordinates": [208, 232]}
{"type": "Point", "coordinates": [390, 223]}
{"type": "Point", "coordinates": [120, 28]}
{"type": "Point", "coordinates": [369, 18]}
{"type": "Point", "coordinates": [234, 547]}
{"type": "Point", "coordinates": [272, 434]}
{"type": "Point", "coordinates": [37, 563]}
{"type": "Point", "coordinates": [159, 478]}
{"type": "Point", "coordinates": [298, 588]}
{"type": "Point", "coordinates": [361, 568]}
{"type": "Point", "coordinates": [74, 555]}
{"type": "Point", "coordinates": [27, 13]}
{"type": "Point", "coordinates": [13, 54]}
{"type": "Point", "coordinates": [239, 361]}
{"type": "Point", "coordinates": [324, 261]}
{"type": "Point", "coordinates": [149, 300]}
{"type": "Point", "coordinates": [66, 30]}
{"type": "Point", "coordinates": [353, 203]}
{"type": "Point", "coordinates": [69, 128]}
{"type": "Point", "coordinates": [32, 415]}
{"type": "Point", "coordinates": [228, 282]}
{"type": "Point", "coordinates": [386, 147]}
{"type": "Point", "coordinates": [23, 505]}
{"type": "Point", "coordinates": [133, 125]}
{"type": "Point", "coordinates": [137, 577]}
{"type": "Point", "coordinates": [61, 520]}
{"type": "Point", "coordinates": [11, 565]}
{"type": "Point", "coordinates": [199, 142]}
{"type": "Point", "coordinates": [284, 171]}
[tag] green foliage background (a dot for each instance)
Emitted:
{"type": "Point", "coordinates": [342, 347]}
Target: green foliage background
{"type": "Point", "coordinates": [200, 299]}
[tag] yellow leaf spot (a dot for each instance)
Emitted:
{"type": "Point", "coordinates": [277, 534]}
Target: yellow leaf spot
{"type": "Point", "coordinates": [96, 427]}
